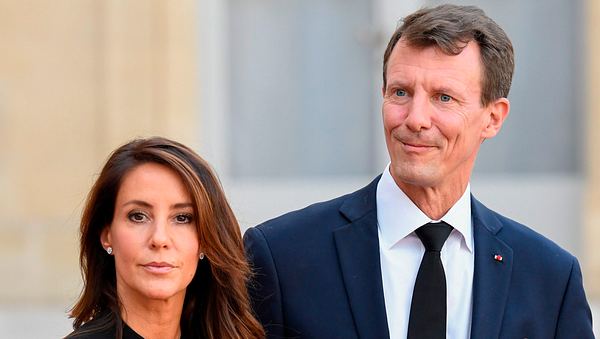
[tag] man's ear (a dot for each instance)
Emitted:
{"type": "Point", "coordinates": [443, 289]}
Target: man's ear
{"type": "Point", "coordinates": [497, 112]}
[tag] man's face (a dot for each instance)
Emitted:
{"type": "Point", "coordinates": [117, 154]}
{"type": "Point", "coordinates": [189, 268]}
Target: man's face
{"type": "Point", "coordinates": [432, 115]}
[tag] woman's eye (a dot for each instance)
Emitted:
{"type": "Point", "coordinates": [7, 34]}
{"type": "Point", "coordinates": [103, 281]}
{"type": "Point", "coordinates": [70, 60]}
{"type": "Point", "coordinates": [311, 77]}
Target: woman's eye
{"type": "Point", "coordinates": [445, 98]}
{"type": "Point", "coordinates": [137, 217]}
{"type": "Point", "coordinates": [184, 218]}
{"type": "Point", "coordinates": [400, 93]}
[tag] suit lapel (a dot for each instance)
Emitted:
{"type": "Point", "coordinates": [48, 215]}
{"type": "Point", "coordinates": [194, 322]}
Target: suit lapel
{"type": "Point", "coordinates": [357, 247]}
{"type": "Point", "coordinates": [491, 275]}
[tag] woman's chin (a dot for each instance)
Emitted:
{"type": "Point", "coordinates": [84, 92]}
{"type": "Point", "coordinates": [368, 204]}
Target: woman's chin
{"type": "Point", "coordinates": [164, 293]}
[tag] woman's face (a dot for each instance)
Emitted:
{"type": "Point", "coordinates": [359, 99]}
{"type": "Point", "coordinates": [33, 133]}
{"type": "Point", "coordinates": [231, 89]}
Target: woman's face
{"type": "Point", "coordinates": [153, 235]}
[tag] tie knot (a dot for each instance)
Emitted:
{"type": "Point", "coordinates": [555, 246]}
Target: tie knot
{"type": "Point", "coordinates": [433, 235]}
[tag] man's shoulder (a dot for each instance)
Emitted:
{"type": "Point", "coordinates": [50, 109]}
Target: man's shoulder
{"type": "Point", "coordinates": [322, 216]}
{"type": "Point", "coordinates": [523, 239]}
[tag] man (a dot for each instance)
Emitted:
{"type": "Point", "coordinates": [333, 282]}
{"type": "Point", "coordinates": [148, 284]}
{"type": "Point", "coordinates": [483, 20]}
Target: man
{"type": "Point", "coordinates": [413, 254]}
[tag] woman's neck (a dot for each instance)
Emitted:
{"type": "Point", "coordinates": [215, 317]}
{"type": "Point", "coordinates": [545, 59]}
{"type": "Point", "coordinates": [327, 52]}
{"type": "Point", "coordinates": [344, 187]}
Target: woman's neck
{"type": "Point", "coordinates": [153, 318]}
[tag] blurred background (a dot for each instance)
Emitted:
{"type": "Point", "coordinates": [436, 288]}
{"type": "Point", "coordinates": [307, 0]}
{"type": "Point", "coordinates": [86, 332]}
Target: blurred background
{"type": "Point", "coordinates": [283, 99]}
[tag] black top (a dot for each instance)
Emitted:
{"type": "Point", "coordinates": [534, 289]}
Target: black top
{"type": "Point", "coordinates": [104, 327]}
{"type": "Point", "coordinates": [87, 331]}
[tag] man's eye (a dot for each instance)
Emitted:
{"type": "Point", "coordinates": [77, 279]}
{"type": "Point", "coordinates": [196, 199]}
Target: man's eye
{"type": "Point", "coordinates": [137, 217]}
{"type": "Point", "coordinates": [184, 218]}
{"type": "Point", "coordinates": [400, 93]}
{"type": "Point", "coordinates": [445, 98]}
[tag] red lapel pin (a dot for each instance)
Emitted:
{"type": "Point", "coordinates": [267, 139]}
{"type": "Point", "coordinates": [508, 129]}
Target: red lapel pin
{"type": "Point", "coordinates": [498, 257]}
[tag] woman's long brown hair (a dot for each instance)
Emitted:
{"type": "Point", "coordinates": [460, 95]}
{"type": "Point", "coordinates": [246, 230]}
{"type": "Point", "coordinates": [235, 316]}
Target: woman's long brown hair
{"type": "Point", "coordinates": [216, 302]}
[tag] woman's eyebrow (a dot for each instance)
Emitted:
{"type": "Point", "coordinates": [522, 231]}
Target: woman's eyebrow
{"type": "Point", "coordinates": [138, 202]}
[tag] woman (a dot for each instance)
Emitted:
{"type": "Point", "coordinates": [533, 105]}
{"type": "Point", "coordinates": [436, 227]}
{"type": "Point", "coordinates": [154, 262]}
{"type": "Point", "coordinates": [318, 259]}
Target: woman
{"type": "Point", "coordinates": [161, 251]}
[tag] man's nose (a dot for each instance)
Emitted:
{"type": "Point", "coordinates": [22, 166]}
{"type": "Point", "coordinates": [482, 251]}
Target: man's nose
{"type": "Point", "coordinates": [418, 115]}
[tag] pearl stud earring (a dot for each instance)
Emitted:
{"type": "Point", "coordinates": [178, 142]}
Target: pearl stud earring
{"type": "Point", "coordinates": [201, 255]}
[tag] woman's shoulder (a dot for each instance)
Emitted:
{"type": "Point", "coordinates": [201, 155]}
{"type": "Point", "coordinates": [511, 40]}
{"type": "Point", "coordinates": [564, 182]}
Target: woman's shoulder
{"type": "Point", "coordinates": [94, 329]}
{"type": "Point", "coordinates": [102, 328]}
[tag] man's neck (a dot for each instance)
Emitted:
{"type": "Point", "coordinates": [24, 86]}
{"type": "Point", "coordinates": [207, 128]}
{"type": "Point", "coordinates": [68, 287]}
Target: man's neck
{"type": "Point", "coordinates": [435, 202]}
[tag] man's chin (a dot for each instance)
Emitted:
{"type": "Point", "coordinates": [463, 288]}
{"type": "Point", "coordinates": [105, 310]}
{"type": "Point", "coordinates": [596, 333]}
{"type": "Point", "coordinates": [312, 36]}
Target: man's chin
{"type": "Point", "coordinates": [421, 176]}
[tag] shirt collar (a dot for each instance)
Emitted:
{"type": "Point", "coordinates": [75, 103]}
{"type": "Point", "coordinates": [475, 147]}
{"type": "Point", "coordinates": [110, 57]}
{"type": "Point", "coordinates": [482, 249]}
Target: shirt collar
{"type": "Point", "coordinates": [398, 216]}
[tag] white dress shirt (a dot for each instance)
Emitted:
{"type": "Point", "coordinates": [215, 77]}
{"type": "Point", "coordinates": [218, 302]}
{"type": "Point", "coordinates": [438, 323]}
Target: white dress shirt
{"type": "Point", "coordinates": [401, 252]}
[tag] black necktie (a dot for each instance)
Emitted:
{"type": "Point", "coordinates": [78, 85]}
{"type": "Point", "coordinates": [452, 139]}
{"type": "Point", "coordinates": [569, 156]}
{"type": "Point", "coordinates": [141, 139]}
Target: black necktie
{"type": "Point", "coordinates": [428, 308]}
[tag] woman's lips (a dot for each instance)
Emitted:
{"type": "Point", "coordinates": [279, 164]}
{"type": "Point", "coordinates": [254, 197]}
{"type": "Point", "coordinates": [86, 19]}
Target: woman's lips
{"type": "Point", "coordinates": [158, 267]}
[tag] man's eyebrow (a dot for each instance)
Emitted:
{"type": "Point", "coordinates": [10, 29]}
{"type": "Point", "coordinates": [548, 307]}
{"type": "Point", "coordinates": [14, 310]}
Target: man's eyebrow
{"type": "Point", "coordinates": [399, 82]}
{"type": "Point", "coordinates": [444, 89]}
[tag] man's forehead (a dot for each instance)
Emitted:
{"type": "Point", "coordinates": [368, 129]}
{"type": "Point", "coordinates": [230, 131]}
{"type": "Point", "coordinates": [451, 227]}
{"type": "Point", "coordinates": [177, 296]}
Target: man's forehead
{"type": "Point", "coordinates": [419, 45]}
{"type": "Point", "coordinates": [432, 57]}
{"type": "Point", "coordinates": [408, 64]}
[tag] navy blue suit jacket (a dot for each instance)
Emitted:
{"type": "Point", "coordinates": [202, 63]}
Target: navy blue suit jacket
{"type": "Point", "coordinates": [318, 275]}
